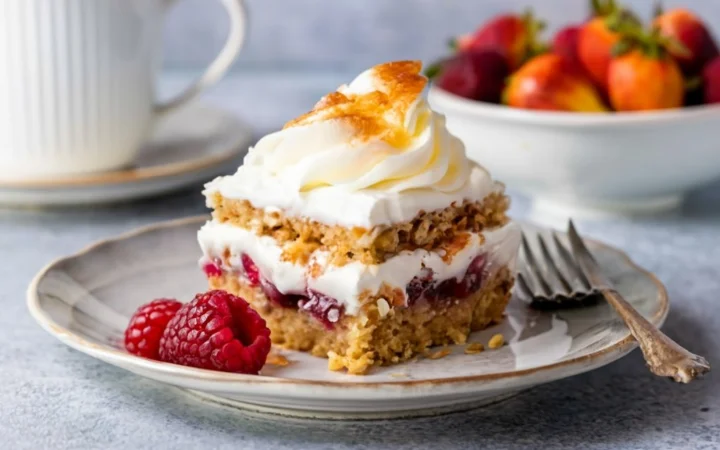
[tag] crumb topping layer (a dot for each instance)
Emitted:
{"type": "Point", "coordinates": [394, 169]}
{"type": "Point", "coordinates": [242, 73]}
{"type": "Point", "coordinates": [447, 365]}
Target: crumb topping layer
{"type": "Point", "coordinates": [301, 236]}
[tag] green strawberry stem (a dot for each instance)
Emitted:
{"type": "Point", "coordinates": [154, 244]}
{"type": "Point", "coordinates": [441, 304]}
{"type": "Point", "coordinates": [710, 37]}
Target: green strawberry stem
{"type": "Point", "coordinates": [651, 42]}
{"type": "Point", "coordinates": [534, 27]}
{"type": "Point", "coordinates": [434, 69]}
{"type": "Point", "coordinates": [658, 10]}
{"type": "Point", "coordinates": [603, 8]}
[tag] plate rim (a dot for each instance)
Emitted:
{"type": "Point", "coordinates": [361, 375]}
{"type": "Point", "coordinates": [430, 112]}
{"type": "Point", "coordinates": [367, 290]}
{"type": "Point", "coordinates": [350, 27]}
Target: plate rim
{"type": "Point", "coordinates": [136, 175]}
{"type": "Point", "coordinates": [106, 353]}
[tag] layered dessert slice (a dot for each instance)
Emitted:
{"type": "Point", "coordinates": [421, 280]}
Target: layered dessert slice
{"type": "Point", "coordinates": [360, 231]}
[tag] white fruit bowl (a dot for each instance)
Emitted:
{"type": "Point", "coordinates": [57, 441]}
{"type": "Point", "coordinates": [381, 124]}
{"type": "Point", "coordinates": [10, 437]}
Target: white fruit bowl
{"type": "Point", "coordinates": [590, 163]}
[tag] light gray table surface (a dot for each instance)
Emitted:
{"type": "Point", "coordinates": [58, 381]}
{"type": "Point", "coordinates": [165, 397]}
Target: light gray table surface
{"type": "Point", "coordinates": [52, 397]}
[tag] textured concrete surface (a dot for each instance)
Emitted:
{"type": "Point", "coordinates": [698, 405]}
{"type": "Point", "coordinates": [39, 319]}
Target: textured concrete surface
{"type": "Point", "coordinates": [52, 397]}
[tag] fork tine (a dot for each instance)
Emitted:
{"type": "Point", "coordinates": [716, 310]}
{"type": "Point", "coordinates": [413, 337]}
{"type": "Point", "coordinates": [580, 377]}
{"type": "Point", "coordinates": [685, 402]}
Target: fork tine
{"type": "Point", "coordinates": [524, 288]}
{"type": "Point", "coordinates": [533, 267]}
{"type": "Point", "coordinates": [558, 280]}
{"type": "Point", "coordinates": [580, 281]}
{"type": "Point", "coordinates": [586, 261]}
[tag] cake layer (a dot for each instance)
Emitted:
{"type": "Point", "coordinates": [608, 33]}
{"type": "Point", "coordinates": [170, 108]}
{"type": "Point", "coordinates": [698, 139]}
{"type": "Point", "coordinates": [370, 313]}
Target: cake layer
{"type": "Point", "coordinates": [236, 250]}
{"type": "Point", "coordinates": [300, 236]}
{"type": "Point", "coordinates": [378, 336]}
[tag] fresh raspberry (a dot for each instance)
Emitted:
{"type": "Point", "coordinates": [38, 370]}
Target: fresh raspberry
{"type": "Point", "coordinates": [217, 331]}
{"type": "Point", "coordinates": [142, 336]}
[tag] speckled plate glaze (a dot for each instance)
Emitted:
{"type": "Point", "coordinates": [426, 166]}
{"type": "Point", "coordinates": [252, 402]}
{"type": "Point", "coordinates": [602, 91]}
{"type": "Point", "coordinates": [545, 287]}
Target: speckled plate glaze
{"type": "Point", "coordinates": [86, 299]}
{"type": "Point", "coordinates": [190, 146]}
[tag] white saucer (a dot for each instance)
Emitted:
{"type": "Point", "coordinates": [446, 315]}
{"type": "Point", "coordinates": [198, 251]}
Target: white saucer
{"type": "Point", "coordinates": [85, 300]}
{"type": "Point", "coordinates": [189, 147]}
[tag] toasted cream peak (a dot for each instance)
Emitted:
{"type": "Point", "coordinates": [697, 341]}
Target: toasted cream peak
{"type": "Point", "coordinates": [375, 104]}
{"type": "Point", "coordinates": [372, 152]}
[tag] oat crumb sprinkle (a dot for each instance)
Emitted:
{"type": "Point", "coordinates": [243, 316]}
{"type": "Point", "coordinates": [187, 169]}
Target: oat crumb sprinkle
{"type": "Point", "coordinates": [496, 341]}
{"type": "Point", "coordinates": [277, 360]}
{"type": "Point", "coordinates": [439, 354]}
{"type": "Point", "coordinates": [475, 347]}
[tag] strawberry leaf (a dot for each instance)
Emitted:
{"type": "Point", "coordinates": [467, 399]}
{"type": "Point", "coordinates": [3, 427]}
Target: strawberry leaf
{"type": "Point", "coordinates": [623, 46]}
{"type": "Point", "coordinates": [434, 69]}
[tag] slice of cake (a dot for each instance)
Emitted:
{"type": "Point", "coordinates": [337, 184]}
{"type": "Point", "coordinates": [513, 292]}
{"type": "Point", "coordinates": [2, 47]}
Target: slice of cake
{"type": "Point", "coordinates": [360, 231]}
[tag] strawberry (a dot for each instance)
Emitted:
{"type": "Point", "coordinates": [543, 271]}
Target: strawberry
{"type": "Point", "coordinates": [551, 82]}
{"type": "Point", "coordinates": [514, 36]}
{"type": "Point", "coordinates": [685, 27]}
{"type": "Point", "coordinates": [477, 75]}
{"type": "Point", "coordinates": [643, 75]}
{"type": "Point", "coordinates": [598, 36]}
{"type": "Point", "coordinates": [711, 81]}
{"type": "Point", "coordinates": [565, 43]}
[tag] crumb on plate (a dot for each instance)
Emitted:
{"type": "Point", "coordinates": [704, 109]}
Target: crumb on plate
{"type": "Point", "coordinates": [496, 341]}
{"type": "Point", "coordinates": [475, 347]}
{"type": "Point", "coordinates": [277, 360]}
{"type": "Point", "coordinates": [439, 354]}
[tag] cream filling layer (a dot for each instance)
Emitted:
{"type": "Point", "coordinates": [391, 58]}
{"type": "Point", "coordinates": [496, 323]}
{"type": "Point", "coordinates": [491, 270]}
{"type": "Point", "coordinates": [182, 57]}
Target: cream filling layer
{"type": "Point", "coordinates": [346, 283]}
{"type": "Point", "coordinates": [334, 205]}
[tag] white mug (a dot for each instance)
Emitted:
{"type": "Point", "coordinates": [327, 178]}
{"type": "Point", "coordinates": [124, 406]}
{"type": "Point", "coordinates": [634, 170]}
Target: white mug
{"type": "Point", "coordinates": [77, 82]}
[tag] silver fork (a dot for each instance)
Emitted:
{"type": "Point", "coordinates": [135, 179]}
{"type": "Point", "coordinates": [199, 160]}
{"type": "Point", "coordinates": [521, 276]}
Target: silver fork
{"type": "Point", "coordinates": [575, 277]}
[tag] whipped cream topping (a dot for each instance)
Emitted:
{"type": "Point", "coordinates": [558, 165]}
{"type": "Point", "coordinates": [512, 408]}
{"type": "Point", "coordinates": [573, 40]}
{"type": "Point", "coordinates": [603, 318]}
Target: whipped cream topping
{"type": "Point", "coordinates": [347, 283]}
{"type": "Point", "coordinates": [360, 149]}
{"type": "Point", "coordinates": [377, 132]}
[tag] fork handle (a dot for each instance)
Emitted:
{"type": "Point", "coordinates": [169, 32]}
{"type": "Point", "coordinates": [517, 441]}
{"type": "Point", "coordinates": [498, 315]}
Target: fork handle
{"type": "Point", "coordinates": [663, 356]}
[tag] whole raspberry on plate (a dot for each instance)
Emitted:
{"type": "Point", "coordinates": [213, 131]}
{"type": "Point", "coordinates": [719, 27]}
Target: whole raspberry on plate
{"type": "Point", "coordinates": [142, 336]}
{"type": "Point", "coordinates": [217, 331]}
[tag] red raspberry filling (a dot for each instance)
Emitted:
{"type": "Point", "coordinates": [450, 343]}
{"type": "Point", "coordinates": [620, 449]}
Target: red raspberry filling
{"type": "Point", "coordinates": [212, 268]}
{"type": "Point", "coordinates": [324, 308]}
{"type": "Point", "coordinates": [422, 287]}
{"type": "Point", "coordinates": [251, 271]}
{"type": "Point", "coordinates": [329, 311]}
{"type": "Point", "coordinates": [217, 331]}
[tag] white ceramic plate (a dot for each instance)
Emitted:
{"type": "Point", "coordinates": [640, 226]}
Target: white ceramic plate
{"type": "Point", "coordinates": [190, 146]}
{"type": "Point", "coordinates": [85, 300]}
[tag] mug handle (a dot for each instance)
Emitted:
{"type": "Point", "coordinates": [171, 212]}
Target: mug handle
{"type": "Point", "coordinates": [219, 67]}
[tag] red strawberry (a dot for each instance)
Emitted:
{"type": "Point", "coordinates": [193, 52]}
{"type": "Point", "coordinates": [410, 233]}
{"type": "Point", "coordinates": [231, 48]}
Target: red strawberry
{"type": "Point", "coordinates": [685, 27]}
{"type": "Point", "coordinates": [643, 75]}
{"type": "Point", "coordinates": [565, 43]}
{"type": "Point", "coordinates": [142, 336]}
{"type": "Point", "coordinates": [599, 35]}
{"type": "Point", "coordinates": [551, 82]}
{"type": "Point", "coordinates": [217, 331]}
{"type": "Point", "coordinates": [514, 36]}
{"type": "Point", "coordinates": [478, 75]}
{"type": "Point", "coordinates": [711, 81]}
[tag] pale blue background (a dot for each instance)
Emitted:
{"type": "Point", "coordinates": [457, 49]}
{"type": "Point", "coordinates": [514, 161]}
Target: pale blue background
{"type": "Point", "coordinates": [354, 34]}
